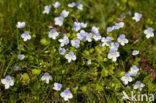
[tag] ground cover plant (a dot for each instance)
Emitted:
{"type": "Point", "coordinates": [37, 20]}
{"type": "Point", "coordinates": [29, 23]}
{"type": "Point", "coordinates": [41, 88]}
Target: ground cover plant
{"type": "Point", "coordinates": [85, 51]}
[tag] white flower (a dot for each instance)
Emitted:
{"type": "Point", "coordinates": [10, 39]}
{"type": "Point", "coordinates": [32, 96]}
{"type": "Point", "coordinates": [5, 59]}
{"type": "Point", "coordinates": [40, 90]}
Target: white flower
{"type": "Point", "coordinates": [53, 34]}
{"type": "Point", "coordinates": [79, 6]}
{"type": "Point", "coordinates": [122, 40]}
{"type": "Point", "coordinates": [89, 62]}
{"type": "Point", "coordinates": [149, 32]}
{"type": "Point", "coordinates": [83, 25]}
{"type": "Point", "coordinates": [70, 56]}
{"type": "Point", "coordinates": [26, 36]}
{"type": "Point", "coordinates": [137, 17]}
{"type": "Point", "coordinates": [7, 81]}
{"type": "Point", "coordinates": [57, 86]}
{"type": "Point", "coordinates": [47, 9]}
{"type": "Point", "coordinates": [66, 94]}
{"type": "Point", "coordinates": [82, 35]}
{"type": "Point", "coordinates": [114, 46]}
{"type": "Point", "coordinates": [138, 85]}
{"type": "Point", "coordinates": [64, 41]}
{"type": "Point", "coordinates": [89, 37]}
{"type": "Point", "coordinates": [95, 29]}
{"type": "Point", "coordinates": [20, 24]}
{"type": "Point", "coordinates": [59, 21]}
{"type": "Point", "coordinates": [126, 79]}
{"type": "Point", "coordinates": [21, 56]}
{"type": "Point", "coordinates": [64, 13]}
{"type": "Point", "coordinates": [46, 77]}
{"type": "Point", "coordinates": [135, 52]}
{"type": "Point", "coordinates": [113, 54]}
{"type": "Point", "coordinates": [133, 70]}
{"type": "Point", "coordinates": [57, 4]}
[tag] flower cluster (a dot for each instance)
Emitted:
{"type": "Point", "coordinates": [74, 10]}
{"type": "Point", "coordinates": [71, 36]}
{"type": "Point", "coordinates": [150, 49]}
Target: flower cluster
{"type": "Point", "coordinates": [115, 27]}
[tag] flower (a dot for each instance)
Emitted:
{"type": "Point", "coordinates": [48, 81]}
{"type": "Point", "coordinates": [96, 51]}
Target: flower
{"type": "Point", "coordinates": [83, 25]}
{"type": "Point", "coordinates": [62, 51]}
{"type": "Point", "coordinates": [53, 34]}
{"type": "Point", "coordinates": [79, 6]}
{"type": "Point", "coordinates": [126, 79]}
{"type": "Point", "coordinates": [133, 70]}
{"type": "Point", "coordinates": [26, 36]}
{"type": "Point", "coordinates": [64, 13]}
{"type": "Point", "coordinates": [75, 43]}
{"type": "Point", "coordinates": [95, 30]}
{"type": "Point", "coordinates": [16, 67]}
{"type": "Point", "coordinates": [135, 52]}
{"type": "Point", "coordinates": [59, 21]}
{"type": "Point", "coordinates": [66, 94]}
{"type": "Point", "coordinates": [114, 46]}
{"type": "Point", "coordinates": [20, 24]}
{"type": "Point", "coordinates": [21, 56]}
{"type": "Point", "coordinates": [109, 29]}
{"type": "Point", "coordinates": [70, 56]}
{"type": "Point", "coordinates": [46, 77]}
{"type": "Point", "coordinates": [57, 86]}
{"type": "Point", "coordinates": [97, 37]}
{"type": "Point", "coordinates": [89, 62]}
{"type": "Point", "coordinates": [137, 17]}
{"type": "Point", "coordinates": [106, 41]}
{"type": "Point", "coordinates": [149, 32]}
{"type": "Point", "coordinates": [89, 37]}
{"type": "Point", "coordinates": [71, 4]}
{"type": "Point", "coordinates": [113, 54]}
{"type": "Point", "coordinates": [57, 4]}
{"type": "Point", "coordinates": [7, 81]}
{"type": "Point", "coordinates": [118, 25]}
{"type": "Point", "coordinates": [76, 26]}
{"type": "Point", "coordinates": [82, 35]}
{"type": "Point", "coordinates": [47, 9]}
{"type": "Point", "coordinates": [64, 41]}
{"type": "Point", "coordinates": [138, 85]}
{"type": "Point", "coordinates": [122, 40]}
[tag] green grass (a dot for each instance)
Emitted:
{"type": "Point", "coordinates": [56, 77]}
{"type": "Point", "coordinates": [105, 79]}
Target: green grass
{"type": "Point", "coordinates": [96, 83]}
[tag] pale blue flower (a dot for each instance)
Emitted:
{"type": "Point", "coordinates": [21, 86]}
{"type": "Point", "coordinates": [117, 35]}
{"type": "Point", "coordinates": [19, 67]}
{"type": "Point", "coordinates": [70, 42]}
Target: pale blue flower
{"type": "Point", "coordinates": [62, 51]}
{"type": "Point", "coordinates": [113, 54]}
{"type": "Point", "coordinates": [75, 43]}
{"type": "Point", "coordinates": [133, 70]}
{"type": "Point", "coordinates": [97, 37]}
{"type": "Point", "coordinates": [47, 9]}
{"type": "Point", "coordinates": [70, 56]}
{"type": "Point", "coordinates": [137, 17]}
{"type": "Point", "coordinates": [26, 36]}
{"type": "Point", "coordinates": [122, 40]}
{"type": "Point", "coordinates": [135, 52]}
{"type": "Point", "coordinates": [7, 81]}
{"type": "Point", "coordinates": [20, 24]}
{"type": "Point", "coordinates": [53, 34]}
{"type": "Point", "coordinates": [126, 79]}
{"type": "Point", "coordinates": [109, 29]}
{"type": "Point", "coordinates": [76, 26]}
{"type": "Point", "coordinates": [114, 46]}
{"type": "Point", "coordinates": [83, 25]}
{"type": "Point", "coordinates": [59, 21]}
{"type": "Point", "coordinates": [106, 41]}
{"type": "Point", "coordinates": [64, 13]}
{"type": "Point", "coordinates": [64, 41]}
{"type": "Point", "coordinates": [82, 35]}
{"type": "Point", "coordinates": [89, 62]}
{"type": "Point", "coordinates": [95, 30]}
{"type": "Point", "coordinates": [21, 56]}
{"type": "Point", "coordinates": [46, 77]}
{"type": "Point", "coordinates": [138, 85]}
{"type": "Point", "coordinates": [71, 4]}
{"type": "Point", "coordinates": [149, 32]}
{"type": "Point", "coordinates": [89, 37]}
{"type": "Point", "coordinates": [57, 86]}
{"type": "Point", "coordinates": [66, 94]}
{"type": "Point", "coordinates": [79, 6]}
{"type": "Point", "coordinates": [57, 4]}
